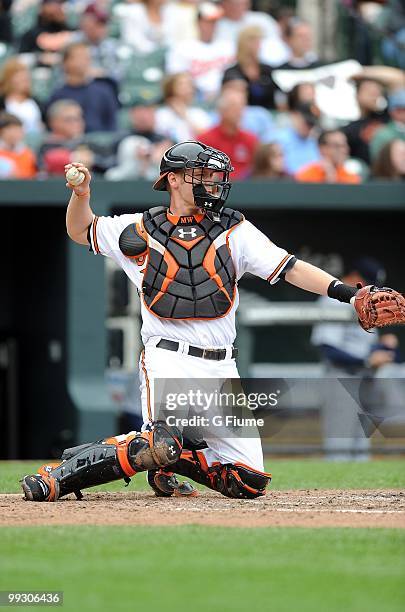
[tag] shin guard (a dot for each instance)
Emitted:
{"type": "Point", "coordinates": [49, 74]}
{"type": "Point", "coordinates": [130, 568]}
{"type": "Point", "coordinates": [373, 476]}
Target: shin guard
{"type": "Point", "coordinates": [115, 458]}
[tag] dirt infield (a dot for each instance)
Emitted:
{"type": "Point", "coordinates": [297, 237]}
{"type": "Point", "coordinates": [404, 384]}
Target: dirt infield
{"type": "Point", "coordinates": [310, 508]}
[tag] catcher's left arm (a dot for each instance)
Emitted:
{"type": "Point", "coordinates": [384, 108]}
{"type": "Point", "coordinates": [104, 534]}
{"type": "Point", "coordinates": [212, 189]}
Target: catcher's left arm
{"type": "Point", "coordinates": [375, 307]}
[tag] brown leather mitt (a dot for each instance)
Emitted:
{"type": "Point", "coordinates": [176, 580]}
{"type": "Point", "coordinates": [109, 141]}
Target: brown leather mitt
{"type": "Point", "coordinates": [378, 307]}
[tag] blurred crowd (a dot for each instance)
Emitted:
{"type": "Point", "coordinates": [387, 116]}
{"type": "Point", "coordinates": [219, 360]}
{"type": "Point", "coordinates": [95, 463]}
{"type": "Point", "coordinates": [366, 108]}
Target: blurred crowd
{"type": "Point", "coordinates": [114, 84]}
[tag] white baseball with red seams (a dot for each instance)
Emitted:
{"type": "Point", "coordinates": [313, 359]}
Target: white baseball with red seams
{"type": "Point", "coordinates": [251, 252]}
{"type": "Point", "coordinates": [74, 176]}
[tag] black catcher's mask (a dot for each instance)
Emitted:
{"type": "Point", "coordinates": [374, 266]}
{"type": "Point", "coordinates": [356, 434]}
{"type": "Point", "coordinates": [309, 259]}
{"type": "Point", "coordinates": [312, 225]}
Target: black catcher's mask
{"type": "Point", "coordinates": [193, 157]}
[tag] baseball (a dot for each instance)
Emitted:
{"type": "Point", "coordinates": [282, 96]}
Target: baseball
{"type": "Point", "coordinates": [74, 176]}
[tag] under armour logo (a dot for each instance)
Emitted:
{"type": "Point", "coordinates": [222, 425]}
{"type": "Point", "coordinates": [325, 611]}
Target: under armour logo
{"type": "Point", "coordinates": [171, 449]}
{"type": "Point", "coordinates": [192, 232]}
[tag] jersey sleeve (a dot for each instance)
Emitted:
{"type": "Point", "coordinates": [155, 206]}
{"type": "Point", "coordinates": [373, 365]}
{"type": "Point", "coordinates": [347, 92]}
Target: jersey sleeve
{"type": "Point", "coordinates": [104, 233]}
{"type": "Point", "coordinates": [253, 252]}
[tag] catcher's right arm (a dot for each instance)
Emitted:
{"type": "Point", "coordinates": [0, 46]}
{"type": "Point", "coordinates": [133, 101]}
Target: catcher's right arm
{"type": "Point", "coordinates": [379, 307]}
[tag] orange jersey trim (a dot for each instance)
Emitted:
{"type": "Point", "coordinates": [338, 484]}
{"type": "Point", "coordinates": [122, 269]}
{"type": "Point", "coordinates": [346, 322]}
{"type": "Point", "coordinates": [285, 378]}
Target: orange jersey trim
{"type": "Point", "coordinates": [148, 404]}
{"type": "Point", "coordinates": [279, 268]}
{"type": "Point", "coordinates": [95, 243]}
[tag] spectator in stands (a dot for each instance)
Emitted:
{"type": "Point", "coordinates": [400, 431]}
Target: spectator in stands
{"type": "Point", "coordinates": [178, 119]}
{"type": "Point", "coordinates": [390, 162]}
{"type": "Point", "coordinates": [205, 58]}
{"type": "Point", "coordinates": [93, 31]}
{"type": "Point", "coordinates": [269, 162]}
{"type": "Point", "coordinates": [334, 152]}
{"type": "Point", "coordinates": [299, 38]}
{"type": "Point", "coordinates": [261, 87]}
{"type": "Point", "coordinates": [372, 104]}
{"type": "Point", "coordinates": [150, 25]}
{"type": "Point", "coordinates": [66, 141]}
{"type": "Point", "coordinates": [50, 35]}
{"type": "Point", "coordinates": [17, 161]}
{"type": "Point", "coordinates": [142, 119]}
{"type": "Point", "coordinates": [138, 158]}
{"type": "Point", "coordinates": [228, 136]}
{"type": "Point", "coordinates": [238, 16]}
{"type": "Point", "coordinates": [96, 98]}
{"type": "Point", "coordinates": [255, 119]}
{"type": "Point", "coordinates": [15, 95]}
{"type": "Point", "coordinates": [395, 128]}
{"type": "Point", "coordinates": [140, 152]}
{"type": "Point", "coordinates": [302, 93]}
{"type": "Point", "coordinates": [66, 131]}
{"type": "Point", "coordinates": [298, 140]}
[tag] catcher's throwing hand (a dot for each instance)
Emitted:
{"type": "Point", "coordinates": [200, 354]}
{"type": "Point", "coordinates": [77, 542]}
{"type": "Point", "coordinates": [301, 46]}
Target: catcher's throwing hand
{"type": "Point", "coordinates": [378, 307]}
{"type": "Point", "coordinates": [84, 187]}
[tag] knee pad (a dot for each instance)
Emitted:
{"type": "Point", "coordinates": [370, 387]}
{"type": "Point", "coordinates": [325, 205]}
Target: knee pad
{"type": "Point", "coordinates": [240, 481]}
{"type": "Point", "coordinates": [160, 445]}
{"type": "Point", "coordinates": [231, 479]}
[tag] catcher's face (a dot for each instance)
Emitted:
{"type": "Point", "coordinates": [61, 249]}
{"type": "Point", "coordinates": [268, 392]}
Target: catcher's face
{"type": "Point", "coordinates": [210, 178]}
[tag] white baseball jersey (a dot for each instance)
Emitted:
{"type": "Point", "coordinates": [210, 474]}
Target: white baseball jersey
{"type": "Point", "coordinates": [251, 252]}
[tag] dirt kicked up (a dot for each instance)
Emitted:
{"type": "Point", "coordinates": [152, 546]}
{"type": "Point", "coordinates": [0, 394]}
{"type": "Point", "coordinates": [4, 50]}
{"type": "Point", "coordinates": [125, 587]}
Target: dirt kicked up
{"type": "Point", "coordinates": [308, 508]}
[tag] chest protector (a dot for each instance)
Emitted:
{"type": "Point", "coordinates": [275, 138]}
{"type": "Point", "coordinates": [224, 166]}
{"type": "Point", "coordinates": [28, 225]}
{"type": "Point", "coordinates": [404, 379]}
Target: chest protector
{"type": "Point", "coordinates": [189, 272]}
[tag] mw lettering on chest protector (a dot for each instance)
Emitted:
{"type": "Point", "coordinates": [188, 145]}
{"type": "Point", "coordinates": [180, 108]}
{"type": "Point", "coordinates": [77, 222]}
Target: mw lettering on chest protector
{"type": "Point", "coordinates": [189, 272]}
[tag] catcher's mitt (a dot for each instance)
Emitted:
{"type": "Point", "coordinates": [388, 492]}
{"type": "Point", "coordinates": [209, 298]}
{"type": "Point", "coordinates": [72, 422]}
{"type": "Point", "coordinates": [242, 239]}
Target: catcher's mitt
{"type": "Point", "coordinates": [378, 307]}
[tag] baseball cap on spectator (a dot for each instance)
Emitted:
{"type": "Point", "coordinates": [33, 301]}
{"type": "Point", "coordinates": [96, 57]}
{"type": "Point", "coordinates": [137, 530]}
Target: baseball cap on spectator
{"type": "Point", "coordinates": [370, 269]}
{"type": "Point", "coordinates": [209, 11]}
{"type": "Point", "coordinates": [97, 12]}
{"type": "Point", "coordinates": [397, 99]}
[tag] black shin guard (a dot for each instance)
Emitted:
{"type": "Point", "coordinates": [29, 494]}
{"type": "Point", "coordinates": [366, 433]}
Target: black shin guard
{"type": "Point", "coordinates": [114, 458]}
{"type": "Point", "coordinates": [91, 465]}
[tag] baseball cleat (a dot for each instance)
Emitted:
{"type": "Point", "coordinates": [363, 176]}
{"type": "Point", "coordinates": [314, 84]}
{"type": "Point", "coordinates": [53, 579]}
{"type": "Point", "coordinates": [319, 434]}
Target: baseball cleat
{"type": "Point", "coordinates": [165, 484]}
{"type": "Point", "coordinates": [39, 488]}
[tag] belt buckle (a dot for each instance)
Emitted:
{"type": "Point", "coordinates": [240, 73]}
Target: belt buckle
{"type": "Point", "coordinates": [208, 353]}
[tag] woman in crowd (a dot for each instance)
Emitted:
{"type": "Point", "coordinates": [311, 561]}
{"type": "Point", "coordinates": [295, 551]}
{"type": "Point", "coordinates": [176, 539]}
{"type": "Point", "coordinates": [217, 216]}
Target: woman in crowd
{"type": "Point", "coordinates": [269, 162]}
{"type": "Point", "coordinates": [149, 25]}
{"type": "Point", "coordinates": [261, 88]}
{"type": "Point", "coordinates": [390, 162]}
{"type": "Point", "coordinates": [178, 119]}
{"type": "Point", "coordinates": [15, 95]}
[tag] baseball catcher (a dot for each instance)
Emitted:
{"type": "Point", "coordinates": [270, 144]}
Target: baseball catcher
{"type": "Point", "coordinates": [185, 260]}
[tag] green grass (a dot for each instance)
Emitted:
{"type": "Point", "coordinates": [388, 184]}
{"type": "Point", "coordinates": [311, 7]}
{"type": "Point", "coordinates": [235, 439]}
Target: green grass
{"type": "Point", "coordinates": [216, 569]}
{"type": "Point", "coordinates": [208, 569]}
{"type": "Point", "coordinates": [287, 474]}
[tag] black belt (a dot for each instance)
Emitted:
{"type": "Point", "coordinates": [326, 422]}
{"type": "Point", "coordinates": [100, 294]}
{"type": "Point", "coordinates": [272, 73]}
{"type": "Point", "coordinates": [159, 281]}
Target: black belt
{"type": "Point", "coordinates": [214, 354]}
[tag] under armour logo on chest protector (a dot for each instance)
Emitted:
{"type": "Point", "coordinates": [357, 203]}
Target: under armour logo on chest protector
{"type": "Point", "coordinates": [189, 272]}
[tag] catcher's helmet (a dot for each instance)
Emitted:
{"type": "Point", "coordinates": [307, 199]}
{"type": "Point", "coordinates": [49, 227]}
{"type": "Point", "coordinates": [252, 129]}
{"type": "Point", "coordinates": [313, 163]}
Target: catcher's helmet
{"type": "Point", "coordinates": [189, 156]}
